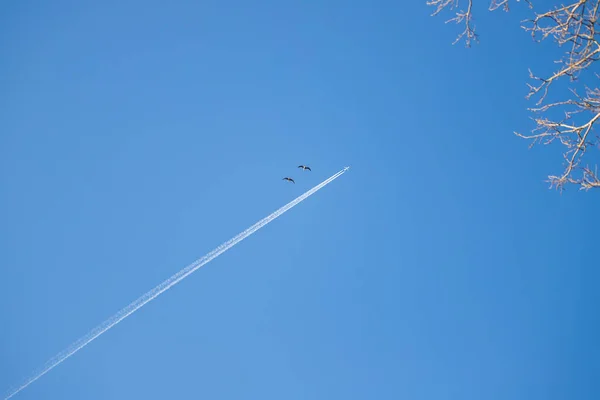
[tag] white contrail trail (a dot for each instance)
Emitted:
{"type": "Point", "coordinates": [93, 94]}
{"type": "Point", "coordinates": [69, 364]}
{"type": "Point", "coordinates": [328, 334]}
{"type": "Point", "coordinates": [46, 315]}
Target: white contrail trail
{"type": "Point", "coordinates": [154, 293]}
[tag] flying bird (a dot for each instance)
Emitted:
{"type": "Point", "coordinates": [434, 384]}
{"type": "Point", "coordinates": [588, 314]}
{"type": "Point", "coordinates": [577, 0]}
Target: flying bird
{"type": "Point", "coordinates": [289, 179]}
{"type": "Point", "coordinates": [304, 167]}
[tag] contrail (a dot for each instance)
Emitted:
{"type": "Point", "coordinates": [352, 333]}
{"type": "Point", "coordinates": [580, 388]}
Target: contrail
{"type": "Point", "coordinates": [173, 280]}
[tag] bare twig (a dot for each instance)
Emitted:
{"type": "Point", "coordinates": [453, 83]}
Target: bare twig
{"type": "Point", "coordinates": [496, 4]}
{"type": "Point", "coordinates": [465, 17]}
{"type": "Point", "coordinates": [573, 26]}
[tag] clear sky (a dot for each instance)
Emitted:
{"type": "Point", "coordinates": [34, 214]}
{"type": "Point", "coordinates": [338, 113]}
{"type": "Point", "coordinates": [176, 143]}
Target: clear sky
{"type": "Point", "coordinates": [135, 137]}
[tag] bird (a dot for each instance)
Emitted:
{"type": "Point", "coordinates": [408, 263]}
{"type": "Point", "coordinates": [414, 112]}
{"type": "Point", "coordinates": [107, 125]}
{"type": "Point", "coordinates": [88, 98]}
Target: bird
{"type": "Point", "coordinates": [289, 179]}
{"type": "Point", "coordinates": [304, 167]}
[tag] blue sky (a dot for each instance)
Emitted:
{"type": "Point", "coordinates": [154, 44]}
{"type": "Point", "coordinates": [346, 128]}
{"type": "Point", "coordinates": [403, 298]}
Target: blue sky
{"type": "Point", "coordinates": [135, 137]}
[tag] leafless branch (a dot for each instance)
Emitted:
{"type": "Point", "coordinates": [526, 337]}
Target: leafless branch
{"type": "Point", "coordinates": [576, 137]}
{"type": "Point", "coordinates": [573, 26]}
{"type": "Point", "coordinates": [465, 17]}
{"type": "Point", "coordinates": [496, 4]}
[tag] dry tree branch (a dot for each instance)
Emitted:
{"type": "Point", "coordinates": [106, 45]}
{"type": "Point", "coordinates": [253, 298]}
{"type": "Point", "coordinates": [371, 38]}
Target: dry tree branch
{"type": "Point", "coordinates": [575, 27]}
{"type": "Point", "coordinates": [465, 17]}
{"type": "Point", "coordinates": [504, 4]}
{"type": "Point", "coordinates": [567, 25]}
{"type": "Point", "coordinates": [575, 137]}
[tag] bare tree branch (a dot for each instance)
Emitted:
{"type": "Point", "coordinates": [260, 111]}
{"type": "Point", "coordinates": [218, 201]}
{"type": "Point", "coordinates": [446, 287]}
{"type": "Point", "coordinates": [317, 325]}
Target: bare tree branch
{"type": "Point", "coordinates": [496, 4]}
{"type": "Point", "coordinates": [573, 26]}
{"type": "Point", "coordinates": [569, 25]}
{"type": "Point", "coordinates": [465, 17]}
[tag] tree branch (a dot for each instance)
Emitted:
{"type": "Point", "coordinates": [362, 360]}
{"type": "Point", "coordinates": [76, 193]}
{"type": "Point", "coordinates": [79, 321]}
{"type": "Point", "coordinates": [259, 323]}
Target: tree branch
{"type": "Point", "coordinates": [574, 26]}
{"type": "Point", "coordinates": [465, 17]}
